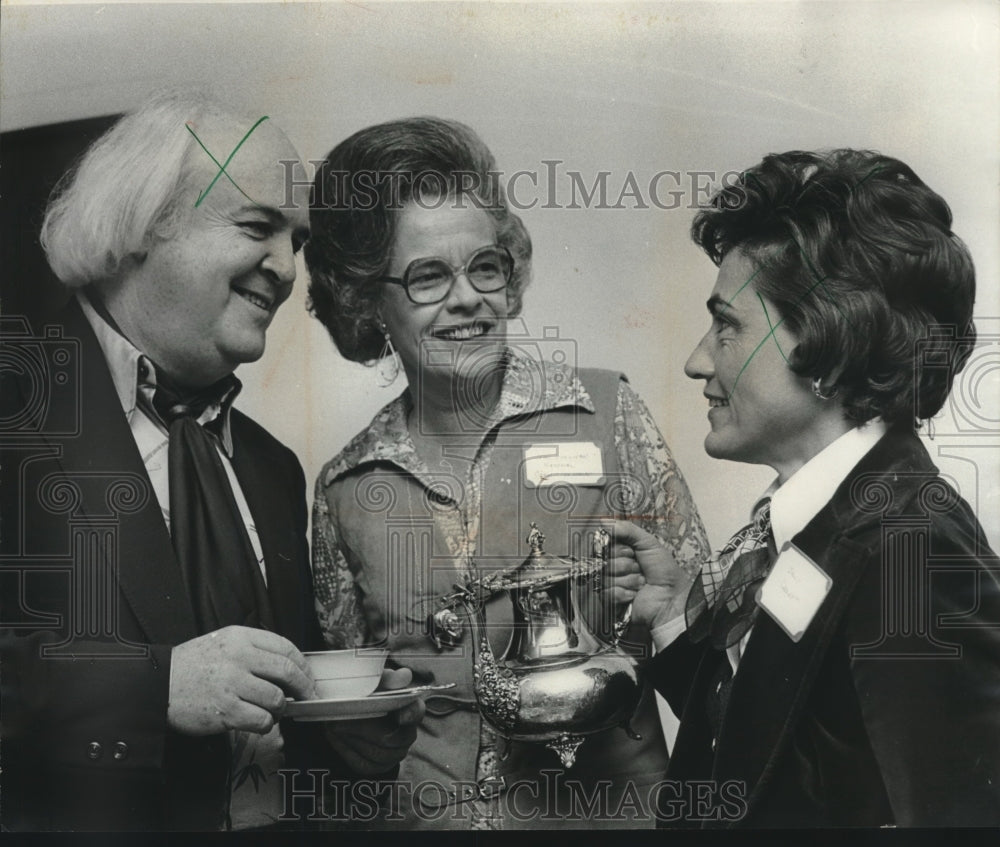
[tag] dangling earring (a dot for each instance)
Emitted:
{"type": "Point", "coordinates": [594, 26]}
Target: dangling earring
{"type": "Point", "coordinates": [817, 386]}
{"type": "Point", "coordinates": [387, 368]}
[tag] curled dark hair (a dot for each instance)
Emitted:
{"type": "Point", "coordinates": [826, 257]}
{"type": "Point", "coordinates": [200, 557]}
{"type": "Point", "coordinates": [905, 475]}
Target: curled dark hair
{"type": "Point", "coordinates": [858, 255]}
{"type": "Point", "coordinates": [358, 193]}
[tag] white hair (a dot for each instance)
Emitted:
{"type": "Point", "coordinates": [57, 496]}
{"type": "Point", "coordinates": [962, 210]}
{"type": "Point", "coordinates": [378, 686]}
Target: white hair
{"type": "Point", "coordinates": [125, 188]}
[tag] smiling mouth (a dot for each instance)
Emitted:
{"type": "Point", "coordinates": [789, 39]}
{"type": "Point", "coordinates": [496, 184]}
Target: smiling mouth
{"type": "Point", "coordinates": [461, 333]}
{"type": "Point", "coordinates": [257, 300]}
{"type": "Point", "coordinates": [716, 402]}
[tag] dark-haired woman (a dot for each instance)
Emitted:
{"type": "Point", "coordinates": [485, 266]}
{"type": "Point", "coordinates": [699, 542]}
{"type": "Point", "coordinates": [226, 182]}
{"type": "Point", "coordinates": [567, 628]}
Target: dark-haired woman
{"type": "Point", "coordinates": [415, 258]}
{"type": "Point", "coordinates": [838, 662]}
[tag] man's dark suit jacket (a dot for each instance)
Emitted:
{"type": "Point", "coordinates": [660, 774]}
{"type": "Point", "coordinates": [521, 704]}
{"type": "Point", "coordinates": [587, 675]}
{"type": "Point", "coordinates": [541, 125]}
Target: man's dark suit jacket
{"type": "Point", "coordinates": [87, 563]}
{"type": "Point", "coordinates": [887, 711]}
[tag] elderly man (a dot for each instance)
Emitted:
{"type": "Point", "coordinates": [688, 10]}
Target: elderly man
{"type": "Point", "coordinates": [156, 583]}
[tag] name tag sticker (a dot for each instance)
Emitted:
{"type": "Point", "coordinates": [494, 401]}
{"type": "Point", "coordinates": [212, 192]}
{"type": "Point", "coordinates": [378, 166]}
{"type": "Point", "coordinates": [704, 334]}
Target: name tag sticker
{"type": "Point", "coordinates": [794, 591]}
{"type": "Point", "coordinates": [563, 463]}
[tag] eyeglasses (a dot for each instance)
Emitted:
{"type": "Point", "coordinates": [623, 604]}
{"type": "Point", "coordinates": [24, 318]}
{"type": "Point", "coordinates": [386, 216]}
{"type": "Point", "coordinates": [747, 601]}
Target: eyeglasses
{"type": "Point", "coordinates": [428, 281]}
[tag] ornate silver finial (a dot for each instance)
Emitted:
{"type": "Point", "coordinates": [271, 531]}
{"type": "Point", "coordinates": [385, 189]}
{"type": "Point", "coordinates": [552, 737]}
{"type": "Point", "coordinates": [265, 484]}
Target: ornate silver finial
{"type": "Point", "coordinates": [535, 540]}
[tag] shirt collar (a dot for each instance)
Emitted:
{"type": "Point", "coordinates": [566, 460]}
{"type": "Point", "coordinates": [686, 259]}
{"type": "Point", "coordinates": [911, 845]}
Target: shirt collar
{"type": "Point", "coordinates": [132, 371]}
{"type": "Point", "coordinates": [529, 386]}
{"type": "Point", "coordinates": [813, 485]}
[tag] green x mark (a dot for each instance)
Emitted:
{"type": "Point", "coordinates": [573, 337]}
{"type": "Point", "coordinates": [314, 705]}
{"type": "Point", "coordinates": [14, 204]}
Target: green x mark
{"type": "Point", "coordinates": [773, 326]}
{"type": "Point", "coordinates": [820, 280]}
{"type": "Point", "coordinates": [763, 341]}
{"type": "Point", "coordinates": [222, 167]}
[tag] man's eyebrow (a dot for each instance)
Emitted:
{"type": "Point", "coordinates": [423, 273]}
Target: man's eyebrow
{"type": "Point", "coordinates": [275, 216]}
{"type": "Point", "coordinates": [272, 214]}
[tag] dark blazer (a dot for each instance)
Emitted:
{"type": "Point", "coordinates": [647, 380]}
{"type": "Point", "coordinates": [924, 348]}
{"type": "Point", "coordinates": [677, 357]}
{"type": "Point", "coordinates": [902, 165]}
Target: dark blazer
{"type": "Point", "coordinates": [93, 600]}
{"type": "Point", "coordinates": [887, 711]}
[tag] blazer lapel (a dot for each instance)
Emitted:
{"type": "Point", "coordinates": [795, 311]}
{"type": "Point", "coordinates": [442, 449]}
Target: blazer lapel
{"type": "Point", "coordinates": [775, 674]}
{"type": "Point", "coordinates": [148, 573]}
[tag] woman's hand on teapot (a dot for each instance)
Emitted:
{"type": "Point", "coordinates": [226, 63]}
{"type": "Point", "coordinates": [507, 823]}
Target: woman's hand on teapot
{"type": "Point", "coordinates": [644, 571]}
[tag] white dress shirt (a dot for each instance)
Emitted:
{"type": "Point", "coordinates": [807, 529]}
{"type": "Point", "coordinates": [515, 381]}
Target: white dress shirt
{"type": "Point", "coordinates": [125, 363]}
{"type": "Point", "coordinates": [256, 799]}
{"type": "Point", "coordinates": [796, 503]}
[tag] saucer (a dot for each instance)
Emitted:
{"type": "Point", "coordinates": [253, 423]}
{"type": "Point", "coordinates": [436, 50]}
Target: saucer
{"type": "Point", "coordinates": [352, 708]}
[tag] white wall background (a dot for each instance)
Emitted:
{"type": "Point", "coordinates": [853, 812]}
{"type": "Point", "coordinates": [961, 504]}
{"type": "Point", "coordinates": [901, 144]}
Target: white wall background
{"type": "Point", "coordinates": [601, 87]}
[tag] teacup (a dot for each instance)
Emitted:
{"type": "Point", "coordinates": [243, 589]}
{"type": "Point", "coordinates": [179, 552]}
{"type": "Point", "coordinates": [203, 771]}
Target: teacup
{"type": "Point", "coordinates": [346, 673]}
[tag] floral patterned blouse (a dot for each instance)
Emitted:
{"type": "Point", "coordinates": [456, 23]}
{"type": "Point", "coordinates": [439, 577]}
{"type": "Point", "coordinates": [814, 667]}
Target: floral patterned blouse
{"type": "Point", "coordinates": [668, 511]}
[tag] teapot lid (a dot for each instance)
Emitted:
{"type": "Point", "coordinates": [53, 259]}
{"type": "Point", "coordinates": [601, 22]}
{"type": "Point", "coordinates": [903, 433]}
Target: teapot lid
{"type": "Point", "coordinates": [539, 569]}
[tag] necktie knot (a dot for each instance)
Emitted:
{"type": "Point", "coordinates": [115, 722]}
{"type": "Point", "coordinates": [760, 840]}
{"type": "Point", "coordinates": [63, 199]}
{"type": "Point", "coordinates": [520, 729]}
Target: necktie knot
{"type": "Point", "coordinates": [172, 409]}
{"type": "Point", "coordinates": [172, 403]}
{"type": "Point", "coordinates": [762, 518]}
{"type": "Point", "coordinates": [722, 602]}
{"type": "Point", "coordinates": [209, 534]}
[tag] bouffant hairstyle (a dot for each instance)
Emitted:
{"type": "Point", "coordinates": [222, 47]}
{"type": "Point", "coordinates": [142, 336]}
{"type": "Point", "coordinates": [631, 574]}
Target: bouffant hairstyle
{"type": "Point", "coordinates": [358, 193]}
{"type": "Point", "coordinates": [858, 255]}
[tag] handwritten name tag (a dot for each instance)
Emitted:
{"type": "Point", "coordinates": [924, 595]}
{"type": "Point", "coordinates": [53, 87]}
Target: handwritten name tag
{"type": "Point", "coordinates": [563, 463]}
{"type": "Point", "coordinates": [794, 591]}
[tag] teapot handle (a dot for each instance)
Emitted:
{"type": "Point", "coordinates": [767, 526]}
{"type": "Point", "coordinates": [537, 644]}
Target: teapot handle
{"type": "Point", "coordinates": [601, 549]}
{"type": "Point", "coordinates": [621, 625]}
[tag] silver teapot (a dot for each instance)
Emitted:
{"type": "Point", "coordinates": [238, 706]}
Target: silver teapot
{"type": "Point", "coordinates": [557, 682]}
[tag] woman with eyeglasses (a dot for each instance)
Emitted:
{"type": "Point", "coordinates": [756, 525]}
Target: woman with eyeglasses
{"type": "Point", "coordinates": [417, 263]}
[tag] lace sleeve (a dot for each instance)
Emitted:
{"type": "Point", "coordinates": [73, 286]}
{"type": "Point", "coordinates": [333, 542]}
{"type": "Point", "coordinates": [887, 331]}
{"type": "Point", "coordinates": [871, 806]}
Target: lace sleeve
{"type": "Point", "coordinates": [337, 605]}
{"type": "Point", "coordinates": [658, 499]}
